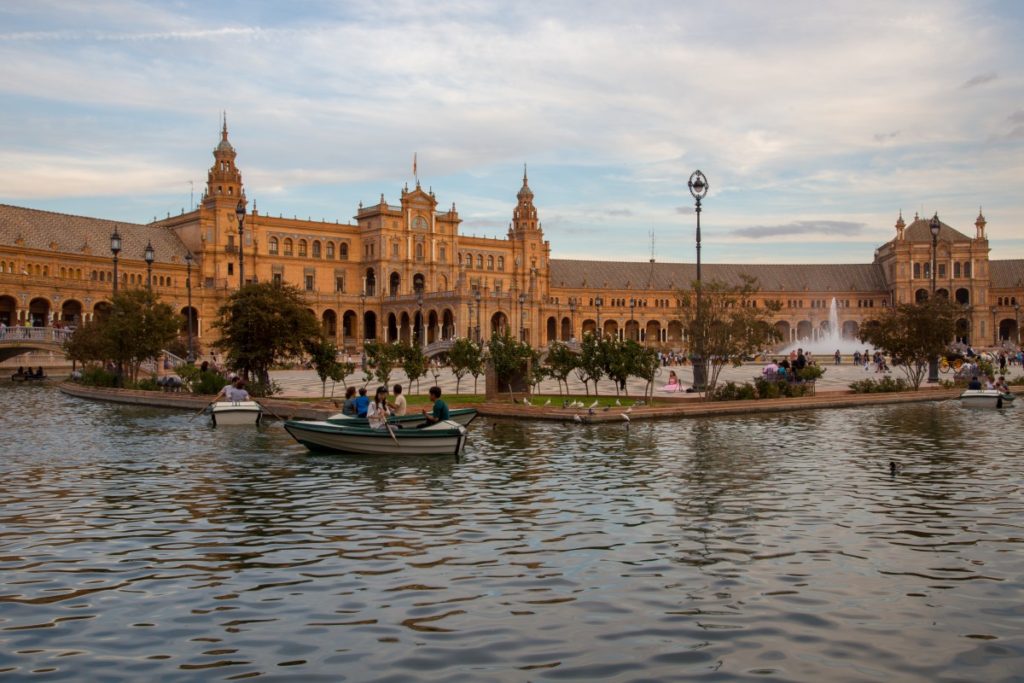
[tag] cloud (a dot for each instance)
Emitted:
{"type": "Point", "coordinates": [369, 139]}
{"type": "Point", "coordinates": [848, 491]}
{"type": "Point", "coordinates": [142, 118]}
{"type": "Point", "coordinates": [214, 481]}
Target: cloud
{"type": "Point", "coordinates": [819, 227]}
{"type": "Point", "coordinates": [885, 137]}
{"type": "Point", "coordinates": [980, 79]}
{"type": "Point", "coordinates": [619, 212]}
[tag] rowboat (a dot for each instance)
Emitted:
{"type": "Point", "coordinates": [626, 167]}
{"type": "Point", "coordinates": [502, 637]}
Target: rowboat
{"type": "Point", "coordinates": [985, 398]}
{"type": "Point", "coordinates": [224, 413]}
{"type": "Point", "coordinates": [462, 416]}
{"type": "Point", "coordinates": [444, 438]}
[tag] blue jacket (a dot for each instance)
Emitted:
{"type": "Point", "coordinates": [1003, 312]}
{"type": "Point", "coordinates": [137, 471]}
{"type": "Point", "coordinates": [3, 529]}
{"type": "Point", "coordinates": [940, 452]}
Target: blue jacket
{"type": "Point", "coordinates": [362, 405]}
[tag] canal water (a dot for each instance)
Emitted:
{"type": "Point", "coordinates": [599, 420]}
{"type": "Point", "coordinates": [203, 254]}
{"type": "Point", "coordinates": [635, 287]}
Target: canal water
{"type": "Point", "coordinates": [138, 544]}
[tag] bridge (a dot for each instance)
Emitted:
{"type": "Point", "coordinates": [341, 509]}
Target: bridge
{"type": "Point", "coordinates": [15, 341]}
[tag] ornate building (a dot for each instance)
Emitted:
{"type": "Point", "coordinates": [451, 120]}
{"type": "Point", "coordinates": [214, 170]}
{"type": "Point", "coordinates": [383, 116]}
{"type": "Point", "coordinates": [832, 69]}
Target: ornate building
{"type": "Point", "coordinates": [403, 272]}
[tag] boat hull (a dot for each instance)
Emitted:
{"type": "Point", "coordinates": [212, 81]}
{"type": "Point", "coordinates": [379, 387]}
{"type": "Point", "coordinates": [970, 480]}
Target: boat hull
{"type": "Point", "coordinates": [985, 398]}
{"type": "Point", "coordinates": [447, 438]}
{"type": "Point", "coordinates": [462, 416]}
{"type": "Point", "coordinates": [233, 413]}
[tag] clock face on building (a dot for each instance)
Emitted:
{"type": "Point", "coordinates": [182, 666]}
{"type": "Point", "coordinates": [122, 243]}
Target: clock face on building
{"type": "Point", "coordinates": [419, 223]}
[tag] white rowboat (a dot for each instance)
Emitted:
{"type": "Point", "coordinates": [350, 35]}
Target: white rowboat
{"type": "Point", "coordinates": [225, 413]}
{"type": "Point", "coordinates": [985, 398]}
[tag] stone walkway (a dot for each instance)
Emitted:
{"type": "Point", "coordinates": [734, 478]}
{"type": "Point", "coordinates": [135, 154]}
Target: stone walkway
{"type": "Point", "coordinates": [305, 383]}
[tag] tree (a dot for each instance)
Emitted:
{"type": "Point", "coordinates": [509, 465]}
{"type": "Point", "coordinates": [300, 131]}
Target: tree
{"type": "Point", "coordinates": [263, 322]}
{"type": "Point", "coordinates": [323, 353]}
{"type": "Point", "coordinates": [561, 361]}
{"type": "Point", "coordinates": [509, 358]}
{"type": "Point", "coordinates": [381, 359]}
{"type": "Point", "coordinates": [913, 334]}
{"type": "Point", "coordinates": [88, 343]}
{"type": "Point", "coordinates": [618, 360]}
{"type": "Point", "coordinates": [645, 366]}
{"type": "Point", "coordinates": [465, 356]}
{"type": "Point", "coordinates": [729, 327]}
{"type": "Point", "coordinates": [414, 363]}
{"type": "Point", "coordinates": [591, 363]}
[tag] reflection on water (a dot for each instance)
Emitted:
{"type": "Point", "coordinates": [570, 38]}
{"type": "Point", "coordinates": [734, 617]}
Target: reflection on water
{"type": "Point", "coordinates": [137, 545]}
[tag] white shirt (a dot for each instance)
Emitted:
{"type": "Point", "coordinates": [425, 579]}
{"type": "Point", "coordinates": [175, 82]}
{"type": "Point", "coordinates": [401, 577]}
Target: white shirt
{"type": "Point", "coordinates": [377, 416]}
{"type": "Point", "coordinates": [232, 394]}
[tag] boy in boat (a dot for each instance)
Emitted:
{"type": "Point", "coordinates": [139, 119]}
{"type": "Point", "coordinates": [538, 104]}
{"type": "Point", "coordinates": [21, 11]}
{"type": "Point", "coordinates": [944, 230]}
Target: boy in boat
{"type": "Point", "coordinates": [440, 411]}
{"type": "Point", "coordinates": [235, 391]}
{"type": "Point", "coordinates": [398, 406]}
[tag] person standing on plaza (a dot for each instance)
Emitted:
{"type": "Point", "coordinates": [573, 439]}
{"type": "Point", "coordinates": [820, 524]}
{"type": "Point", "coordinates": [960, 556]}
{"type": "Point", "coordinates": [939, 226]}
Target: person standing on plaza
{"type": "Point", "coordinates": [839, 357]}
{"type": "Point", "coordinates": [398, 406]}
{"type": "Point", "coordinates": [440, 410]}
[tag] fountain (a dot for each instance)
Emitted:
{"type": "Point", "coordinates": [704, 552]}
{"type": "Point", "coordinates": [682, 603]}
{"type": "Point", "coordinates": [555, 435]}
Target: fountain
{"type": "Point", "coordinates": [825, 342]}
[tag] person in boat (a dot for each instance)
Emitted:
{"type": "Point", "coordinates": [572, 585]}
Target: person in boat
{"type": "Point", "coordinates": [377, 412]}
{"type": "Point", "coordinates": [398, 406]}
{"type": "Point", "coordinates": [235, 391]}
{"type": "Point", "coordinates": [1001, 385]}
{"type": "Point", "coordinates": [39, 373]}
{"type": "Point", "coordinates": [20, 374]}
{"type": "Point", "coordinates": [673, 382]}
{"type": "Point", "coordinates": [974, 384]}
{"type": "Point", "coordinates": [990, 382]}
{"type": "Point", "coordinates": [440, 410]}
{"type": "Point", "coordinates": [362, 403]}
{"type": "Point", "coordinates": [349, 406]}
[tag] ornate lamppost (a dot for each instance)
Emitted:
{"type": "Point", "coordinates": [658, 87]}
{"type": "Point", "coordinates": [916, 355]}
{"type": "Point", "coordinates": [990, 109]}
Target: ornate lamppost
{"type": "Point", "coordinates": [522, 317]}
{"type": "Point", "coordinates": [476, 295]}
{"type": "Point", "coordinates": [698, 185]}
{"type": "Point", "coordinates": [240, 214]}
{"type": "Point", "coordinates": [632, 323]}
{"type": "Point", "coordinates": [115, 249]}
{"type": "Point", "coordinates": [422, 331]}
{"type": "Point", "coordinates": [934, 225]}
{"type": "Point", "coordinates": [150, 256]}
{"type": "Point", "coordinates": [362, 316]}
{"type": "Point", "coordinates": [597, 304]}
{"type": "Point", "coordinates": [188, 287]}
{"type": "Point", "coordinates": [1016, 317]}
{"type": "Point", "coordinates": [572, 318]}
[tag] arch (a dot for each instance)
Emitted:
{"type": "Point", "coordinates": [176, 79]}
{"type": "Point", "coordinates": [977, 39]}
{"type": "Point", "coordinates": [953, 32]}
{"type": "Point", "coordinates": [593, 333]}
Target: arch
{"type": "Point", "coordinates": [195, 321]}
{"type": "Point", "coordinates": [8, 310]}
{"type": "Point", "coordinates": [589, 327]}
{"type": "Point", "coordinates": [432, 327]}
{"type": "Point", "coordinates": [921, 295]}
{"type": "Point", "coordinates": [479, 261]}
{"type": "Point", "coordinates": [963, 296]}
{"type": "Point", "coordinates": [329, 323]}
{"type": "Point", "coordinates": [39, 311]}
{"type": "Point", "coordinates": [632, 330]}
{"type": "Point", "coordinates": [804, 330]}
{"type": "Point", "coordinates": [394, 284]}
{"type": "Point", "coordinates": [71, 312]}
{"type": "Point", "coordinates": [1008, 330]}
{"type": "Point", "coordinates": [396, 331]}
{"type": "Point", "coordinates": [851, 330]}
{"type": "Point", "coordinates": [675, 331]}
{"type": "Point", "coordinates": [963, 331]}
{"type": "Point", "coordinates": [490, 263]}
{"type": "Point", "coordinates": [567, 333]}
{"type": "Point", "coordinates": [610, 328]}
{"type": "Point", "coordinates": [316, 248]}
{"type": "Point", "coordinates": [501, 263]}
{"type": "Point", "coordinates": [784, 330]}
{"type": "Point", "coordinates": [448, 324]}
{"type": "Point", "coordinates": [652, 331]}
{"type": "Point", "coordinates": [302, 247]}
{"type": "Point", "coordinates": [499, 324]}
{"type": "Point", "coordinates": [287, 246]}
{"type": "Point", "coordinates": [273, 246]}
{"type": "Point", "coordinates": [370, 325]}
{"type": "Point", "coordinates": [371, 282]}
{"type": "Point", "coordinates": [329, 249]}
{"type": "Point", "coordinates": [442, 283]}
{"type": "Point", "coordinates": [552, 329]}
{"type": "Point", "coordinates": [102, 310]}
{"type": "Point", "coordinates": [348, 324]}
{"type": "Point", "coordinates": [419, 251]}
{"type": "Point", "coordinates": [942, 293]}
{"type": "Point", "coordinates": [343, 251]}
{"type": "Point", "coordinates": [419, 283]}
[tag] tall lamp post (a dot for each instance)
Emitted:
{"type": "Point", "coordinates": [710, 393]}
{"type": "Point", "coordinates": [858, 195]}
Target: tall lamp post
{"type": "Point", "coordinates": [522, 317]}
{"type": "Point", "coordinates": [150, 256]}
{"type": "Point", "coordinates": [698, 185]}
{"type": "Point", "coordinates": [115, 249]}
{"type": "Point", "coordinates": [240, 214]}
{"type": "Point", "coordinates": [477, 296]}
{"type": "Point", "coordinates": [934, 225]}
{"type": "Point", "coordinates": [421, 332]}
{"type": "Point", "coordinates": [362, 316]}
{"type": "Point", "coordinates": [1016, 317]}
{"type": "Point", "coordinates": [188, 286]}
{"type": "Point", "coordinates": [632, 323]}
{"type": "Point", "coordinates": [572, 318]}
{"type": "Point", "coordinates": [597, 304]}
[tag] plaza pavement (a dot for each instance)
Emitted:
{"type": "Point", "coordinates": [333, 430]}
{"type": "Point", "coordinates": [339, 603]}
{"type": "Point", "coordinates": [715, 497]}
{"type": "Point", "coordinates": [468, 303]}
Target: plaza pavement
{"type": "Point", "coordinates": [305, 383]}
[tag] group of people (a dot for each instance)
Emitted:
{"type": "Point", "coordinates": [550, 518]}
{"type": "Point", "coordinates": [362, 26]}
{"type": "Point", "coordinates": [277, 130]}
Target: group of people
{"type": "Point", "coordinates": [990, 383]}
{"type": "Point", "coordinates": [28, 373]}
{"type": "Point", "coordinates": [787, 368]}
{"type": "Point", "coordinates": [378, 410]}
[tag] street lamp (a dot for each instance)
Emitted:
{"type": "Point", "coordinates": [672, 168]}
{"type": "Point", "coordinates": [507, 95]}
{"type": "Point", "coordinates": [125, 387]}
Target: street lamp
{"type": "Point", "coordinates": [362, 315]}
{"type": "Point", "coordinates": [422, 331]}
{"type": "Point", "coordinates": [240, 214]}
{"type": "Point", "coordinates": [522, 317]}
{"type": "Point", "coordinates": [115, 249]}
{"type": "Point", "coordinates": [477, 296]}
{"type": "Point", "coordinates": [188, 286]}
{"type": "Point", "coordinates": [597, 304]}
{"type": "Point", "coordinates": [150, 257]}
{"type": "Point", "coordinates": [934, 225]}
{"type": "Point", "coordinates": [1016, 317]}
{"type": "Point", "coordinates": [572, 318]}
{"type": "Point", "coordinates": [698, 185]}
{"type": "Point", "coordinates": [632, 324]}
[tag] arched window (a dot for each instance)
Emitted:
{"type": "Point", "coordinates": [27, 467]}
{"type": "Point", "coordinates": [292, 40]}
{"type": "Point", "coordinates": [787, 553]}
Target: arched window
{"type": "Point", "coordinates": [501, 263]}
{"type": "Point", "coordinates": [330, 250]}
{"type": "Point", "coordinates": [316, 248]}
{"type": "Point", "coordinates": [917, 270]}
{"type": "Point", "coordinates": [469, 260]}
{"type": "Point", "coordinates": [272, 246]}
{"type": "Point", "coordinates": [480, 261]}
{"type": "Point", "coordinates": [967, 269]}
{"type": "Point", "coordinates": [343, 252]}
{"type": "Point", "coordinates": [302, 247]}
{"type": "Point", "coordinates": [419, 251]}
{"type": "Point", "coordinates": [490, 263]}
{"type": "Point", "coordinates": [288, 247]}
{"type": "Point", "coordinates": [956, 269]}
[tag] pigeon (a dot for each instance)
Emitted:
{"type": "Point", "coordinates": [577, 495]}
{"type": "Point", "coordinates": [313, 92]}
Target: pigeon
{"type": "Point", "coordinates": [547, 402]}
{"type": "Point", "coordinates": [576, 418]}
{"type": "Point", "coordinates": [594, 404]}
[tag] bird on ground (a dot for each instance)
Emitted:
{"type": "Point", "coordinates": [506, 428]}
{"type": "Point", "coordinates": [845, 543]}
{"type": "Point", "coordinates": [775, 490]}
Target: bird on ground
{"type": "Point", "coordinates": [547, 402]}
{"type": "Point", "coordinates": [590, 411]}
{"type": "Point", "coordinates": [617, 402]}
{"type": "Point", "coordinates": [594, 404]}
{"type": "Point", "coordinates": [576, 418]}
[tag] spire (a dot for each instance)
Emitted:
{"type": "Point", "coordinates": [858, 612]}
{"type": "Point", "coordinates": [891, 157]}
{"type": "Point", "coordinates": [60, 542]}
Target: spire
{"type": "Point", "coordinates": [525, 193]}
{"type": "Point", "coordinates": [524, 218]}
{"type": "Point", "coordinates": [224, 179]}
{"type": "Point", "coordinates": [980, 224]}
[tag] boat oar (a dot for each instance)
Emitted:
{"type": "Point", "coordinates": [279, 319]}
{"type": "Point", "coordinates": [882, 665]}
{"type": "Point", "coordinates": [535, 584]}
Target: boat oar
{"type": "Point", "coordinates": [272, 413]}
{"type": "Point", "coordinates": [203, 409]}
{"type": "Point", "coordinates": [391, 431]}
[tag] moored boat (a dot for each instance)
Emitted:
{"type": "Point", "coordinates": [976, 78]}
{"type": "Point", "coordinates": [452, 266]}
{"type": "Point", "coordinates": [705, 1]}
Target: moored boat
{"type": "Point", "coordinates": [462, 416]}
{"type": "Point", "coordinates": [226, 413]}
{"type": "Point", "coordinates": [444, 438]}
{"type": "Point", "coordinates": [985, 398]}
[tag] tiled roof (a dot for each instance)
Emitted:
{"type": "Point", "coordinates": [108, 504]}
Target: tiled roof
{"type": "Point", "coordinates": [865, 277]}
{"type": "Point", "coordinates": [1009, 273]}
{"type": "Point", "coordinates": [43, 229]}
{"type": "Point", "coordinates": [920, 230]}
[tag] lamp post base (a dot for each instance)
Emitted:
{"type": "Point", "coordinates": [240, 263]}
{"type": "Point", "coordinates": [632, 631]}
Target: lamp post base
{"type": "Point", "coordinates": [700, 375]}
{"type": "Point", "coordinates": [933, 371]}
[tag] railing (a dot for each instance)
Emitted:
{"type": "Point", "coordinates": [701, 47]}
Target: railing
{"type": "Point", "coordinates": [53, 335]}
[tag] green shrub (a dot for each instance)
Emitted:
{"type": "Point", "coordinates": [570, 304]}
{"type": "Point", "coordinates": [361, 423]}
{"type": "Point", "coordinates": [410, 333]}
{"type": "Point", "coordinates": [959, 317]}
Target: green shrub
{"type": "Point", "coordinates": [810, 372]}
{"type": "Point", "coordinates": [260, 390]}
{"type": "Point", "coordinates": [884, 385]}
{"type": "Point", "coordinates": [199, 382]}
{"type": "Point", "coordinates": [97, 376]}
{"type": "Point", "coordinates": [146, 384]}
{"type": "Point", "coordinates": [730, 391]}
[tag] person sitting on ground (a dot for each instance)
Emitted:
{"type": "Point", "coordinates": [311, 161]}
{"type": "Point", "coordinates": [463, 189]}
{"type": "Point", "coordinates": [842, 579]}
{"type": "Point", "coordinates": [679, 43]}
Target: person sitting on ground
{"type": "Point", "coordinates": [349, 406]}
{"type": "Point", "coordinates": [235, 391]}
{"type": "Point", "coordinates": [378, 411]}
{"type": "Point", "coordinates": [770, 370]}
{"type": "Point", "coordinates": [362, 403]}
{"type": "Point", "coordinates": [398, 406]}
{"type": "Point", "coordinates": [440, 410]}
{"type": "Point", "coordinates": [673, 382]}
{"type": "Point", "coordinates": [974, 384]}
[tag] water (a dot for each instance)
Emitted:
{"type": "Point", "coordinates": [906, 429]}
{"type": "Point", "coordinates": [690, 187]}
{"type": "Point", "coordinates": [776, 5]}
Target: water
{"type": "Point", "coordinates": [825, 342]}
{"type": "Point", "coordinates": [137, 545]}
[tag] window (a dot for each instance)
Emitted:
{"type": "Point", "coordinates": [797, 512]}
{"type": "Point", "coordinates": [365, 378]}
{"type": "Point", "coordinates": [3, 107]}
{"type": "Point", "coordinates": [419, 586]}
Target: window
{"type": "Point", "coordinates": [277, 279]}
{"type": "Point", "coordinates": [272, 246]}
{"type": "Point", "coordinates": [330, 250]}
{"type": "Point", "coordinates": [231, 269]}
{"type": "Point", "coordinates": [501, 263]}
{"type": "Point", "coordinates": [480, 261]}
{"type": "Point", "coordinates": [339, 283]}
{"type": "Point", "coordinates": [394, 248]}
{"type": "Point", "coordinates": [309, 283]}
{"type": "Point", "coordinates": [917, 271]}
{"type": "Point", "coordinates": [956, 269]}
{"type": "Point", "coordinates": [942, 270]}
{"type": "Point", "coordinates": [967, 269]}
{"type": "Point", "coordinates": [490, 263]}
{"type": "Point", "coordinates": [302, 247]}
{"type": "Point", "coordinates": [316, 249]}
{"type": "Point", "coordinates": [419, 251]}
{"type": "Point", "coordinates": [442, 254]}
{"type": "Point", "coordinates": [343, 252]}
{"type": "Point", "coordinates": [288, 247]}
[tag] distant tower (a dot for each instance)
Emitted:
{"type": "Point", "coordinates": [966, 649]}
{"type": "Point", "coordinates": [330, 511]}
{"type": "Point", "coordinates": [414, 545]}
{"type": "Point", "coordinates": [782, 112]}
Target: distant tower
{"type": "Point", "coordinates": [900, 226]}
{"type": "Point", "coordinates": [980, 224]}
{"type": "Point", "coordinates": [224, 179]}
{"type": "Point", "coordinates": [524, 217]}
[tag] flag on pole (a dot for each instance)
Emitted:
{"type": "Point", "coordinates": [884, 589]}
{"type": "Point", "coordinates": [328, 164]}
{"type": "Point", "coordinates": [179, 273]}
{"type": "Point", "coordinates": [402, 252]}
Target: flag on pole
{"type": "Point", "coordinates": [414, 174]}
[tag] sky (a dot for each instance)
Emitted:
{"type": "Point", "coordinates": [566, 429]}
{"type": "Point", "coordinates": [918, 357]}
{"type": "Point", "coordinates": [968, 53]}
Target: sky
{"type": "Point", "coordinates": [816, 123]}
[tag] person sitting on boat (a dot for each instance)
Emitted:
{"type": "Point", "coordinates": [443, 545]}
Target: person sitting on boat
{"type": "Point", "coordinates": [39, 374]}
{"type": "Point", "coordinates": [990, 382]}
{"type": "Point", "coordinates": [440, 410]}
{"type": "Point", "coordinates": [20, 374]}
{"type": "Point", "coordinates": [1001, 385]}
{"type": "Point", "coordinates": [398, 406]}
{"type": "Point", "coordinates": [974, 384]}
{"type": "Point", "coordinates": [235, 391]}
{"type": "Point", "coordinates": [349, 406]}
{"type": "Point", "coordinates": [673, 382]}
{"type": "Point", "coordinates": [378, 411]}
{"type": "Point", "coordinates": [362, 403]}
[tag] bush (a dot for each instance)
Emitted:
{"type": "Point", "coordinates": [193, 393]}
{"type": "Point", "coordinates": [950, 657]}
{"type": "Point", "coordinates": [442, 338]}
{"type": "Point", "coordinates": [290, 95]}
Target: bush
{"type": "Point", "coordinates": [884, 385]}
{"type": "Point", "coordinates": [810, 372]}
{"type": "Point", "coordinates": [730, 391]}
{"type": "Point", "coordinates": [199, 382]}
{"type": "Point", "coordinates": [261, 390]}
{"type": "Point", "coordinates": [146, 384]}
{"type": "Point", "coordinates": [97, 376]}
